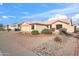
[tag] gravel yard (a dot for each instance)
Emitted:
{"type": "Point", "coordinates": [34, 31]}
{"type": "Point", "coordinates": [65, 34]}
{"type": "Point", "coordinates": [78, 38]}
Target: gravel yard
{"type": "Point", "coordinates": [52, 48]}
{"type": "Point", "coordinates": [19, 44]}
{"type": "Point", "coordinates": [16, 43]}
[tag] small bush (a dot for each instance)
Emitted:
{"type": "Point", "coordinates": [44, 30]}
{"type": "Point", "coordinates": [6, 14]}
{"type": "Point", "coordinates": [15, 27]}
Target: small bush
{"type": "Point", "coordinates": [46, 31]}
{"type": "Point", "coordinates": [35, 32]}
{"type": "Point", "coordinates": [57, 39]}
{"type": "Point", "coordinates": [8, 29]}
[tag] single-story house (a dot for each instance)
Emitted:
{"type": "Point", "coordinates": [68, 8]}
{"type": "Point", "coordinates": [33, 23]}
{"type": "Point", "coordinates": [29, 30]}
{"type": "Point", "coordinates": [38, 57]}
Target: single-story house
{"type": "Point", "coordinates": [57, 24]}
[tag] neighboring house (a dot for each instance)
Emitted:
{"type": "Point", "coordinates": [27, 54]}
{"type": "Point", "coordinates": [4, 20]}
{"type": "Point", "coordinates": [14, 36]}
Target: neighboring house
{"type": "Point", "coordinates": [13, 26]}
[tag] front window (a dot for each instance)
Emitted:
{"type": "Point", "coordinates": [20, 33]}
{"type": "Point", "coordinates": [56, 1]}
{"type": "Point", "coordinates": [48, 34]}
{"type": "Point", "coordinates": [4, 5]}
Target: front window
{"type": "Point", "coordinates": [58, 26]}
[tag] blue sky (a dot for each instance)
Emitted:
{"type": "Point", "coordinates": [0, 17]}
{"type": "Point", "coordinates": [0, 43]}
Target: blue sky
{"type": "Point", "coordinates": [19, 12]}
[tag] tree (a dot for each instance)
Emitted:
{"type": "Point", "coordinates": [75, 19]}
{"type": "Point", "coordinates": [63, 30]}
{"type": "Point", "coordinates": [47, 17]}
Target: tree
{"type": "Point", "coordinates": [1, 27]}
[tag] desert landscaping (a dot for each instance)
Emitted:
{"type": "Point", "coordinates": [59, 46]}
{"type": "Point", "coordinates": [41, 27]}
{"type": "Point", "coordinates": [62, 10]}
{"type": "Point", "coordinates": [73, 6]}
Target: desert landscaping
{"type": "Point", "coordinates": [20, 44]}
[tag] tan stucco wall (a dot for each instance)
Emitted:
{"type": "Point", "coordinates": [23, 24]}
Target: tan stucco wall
{"type": "Point", "coordinates": [70, 29]}
{"type": "Point", "coordinates": [25, 27]}
{"type": "Point", "coordinates": [67, 26]}
{"type": "Point", "coordinates": [40, 27]}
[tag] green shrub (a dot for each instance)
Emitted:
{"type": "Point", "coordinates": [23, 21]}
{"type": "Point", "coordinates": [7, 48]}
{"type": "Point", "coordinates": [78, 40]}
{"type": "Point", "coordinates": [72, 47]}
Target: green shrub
{"type": "Point", "coordinates": [35, 32]}
{"type": "Point", "coordinates": [9, 29]}
{"type": "Point", "coordinates": [46, 31]}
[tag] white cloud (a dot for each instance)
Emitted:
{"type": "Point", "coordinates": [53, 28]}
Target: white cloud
{"type": "Point", "coordinates": [7, 17]}
{"type": "Point", "coordinates": [67, 10]}
{"type": "Point", "coordinates": [75, 17]}
{"type": "Point", "coordinates": [58, 16]}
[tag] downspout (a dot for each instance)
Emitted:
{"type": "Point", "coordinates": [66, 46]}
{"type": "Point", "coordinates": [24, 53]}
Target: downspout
{"type": "Point", "coordinates": [72, 25]}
